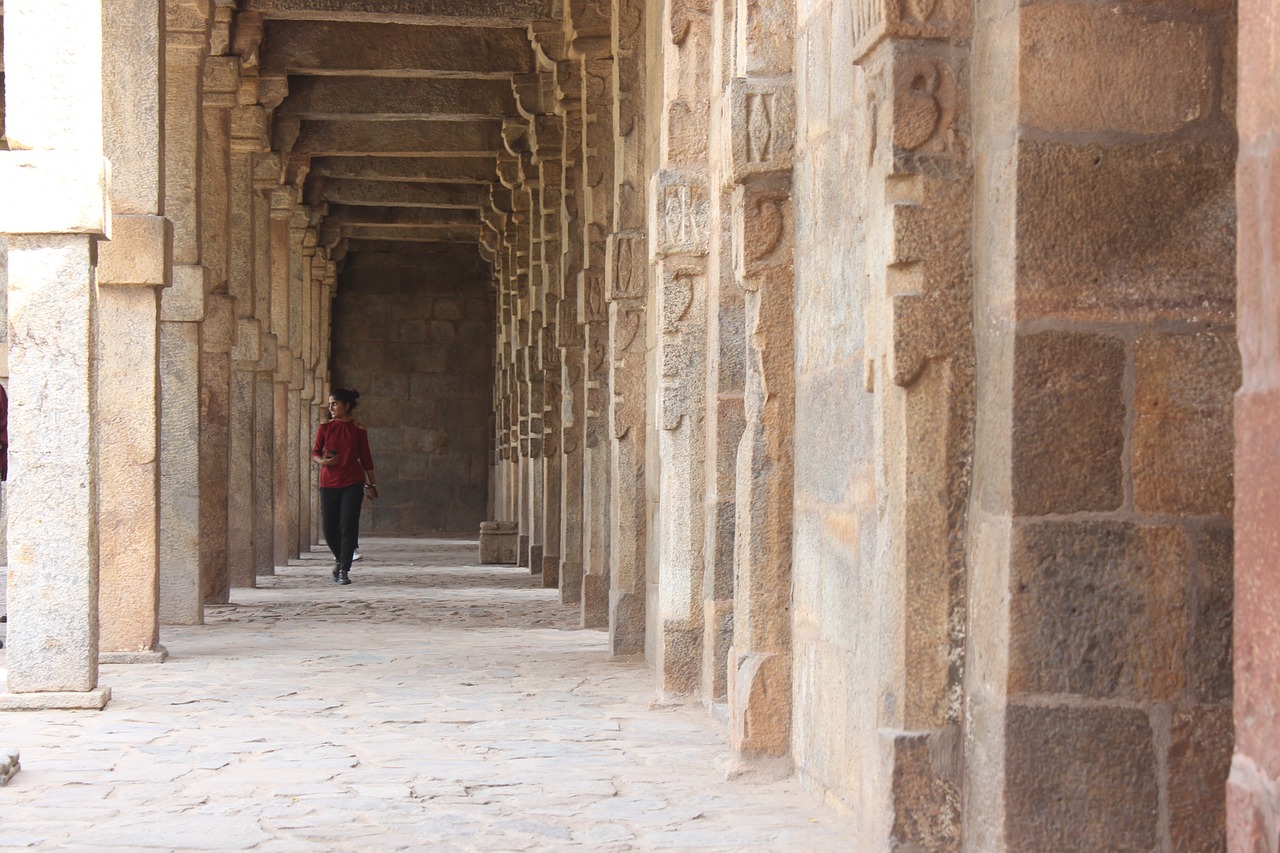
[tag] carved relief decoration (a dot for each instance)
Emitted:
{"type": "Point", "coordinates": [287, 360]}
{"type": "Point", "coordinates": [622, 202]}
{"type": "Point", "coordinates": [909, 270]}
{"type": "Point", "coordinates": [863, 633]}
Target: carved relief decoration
{"type": "Point", "coordinates": [761, 119]}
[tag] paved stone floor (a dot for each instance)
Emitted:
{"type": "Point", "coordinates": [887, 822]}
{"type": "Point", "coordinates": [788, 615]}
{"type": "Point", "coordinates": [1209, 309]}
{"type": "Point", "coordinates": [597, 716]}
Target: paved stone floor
{"type": "Point", "coordinates": [432, 705]}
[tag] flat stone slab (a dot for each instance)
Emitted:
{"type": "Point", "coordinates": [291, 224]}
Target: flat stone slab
{"type": "Point", "coordinates": [157, 655]}
{"type": "Point", "coordinates": [92, 700]}
{"type": "Point", "coordinates": [434, 704]}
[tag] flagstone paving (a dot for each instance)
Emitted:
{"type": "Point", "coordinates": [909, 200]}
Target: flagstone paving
{"type": "Point", "coordinates": [432, 705]}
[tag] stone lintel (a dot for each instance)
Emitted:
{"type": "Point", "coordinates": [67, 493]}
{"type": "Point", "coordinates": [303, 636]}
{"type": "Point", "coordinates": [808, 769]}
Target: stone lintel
{"type": "Point", "coordinates": [54, 192]}
{"type": "Point", "coordinates": [399, 98]}
{"type": "Point", "coordinates": [91, 700]}
{"type": "Point", "coordinates": [476, 169]}
{"type": "Point", "coordinates": [152, 656]}
{"type": "Point", "coordinates": [140, 251]}
{"type": "Point", "coordinates": [413, 138]}
{"type": "Point", "coordinates": [384, 194]}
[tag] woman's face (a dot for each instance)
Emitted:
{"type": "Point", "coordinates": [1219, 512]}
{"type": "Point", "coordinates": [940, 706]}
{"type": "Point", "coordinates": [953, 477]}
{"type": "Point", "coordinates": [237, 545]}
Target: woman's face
{"type": "Point", "coordinates": [337, 408]}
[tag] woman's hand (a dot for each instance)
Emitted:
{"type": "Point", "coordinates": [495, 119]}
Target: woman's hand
{"type": "Point", "coordinates": [370, 491]}
{"type": "Point", "coordinates": [329, 459]}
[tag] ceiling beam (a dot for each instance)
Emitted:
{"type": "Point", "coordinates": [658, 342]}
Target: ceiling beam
{"type": "Point", "coordinates": [458, 13]}
{"type": "Point", "coordinates": [350, 49]}
{"type": "Point", "coordinates": [410, 138]}
{"type": "Point", "coordinates": [472, 169]}
{"type": "Point", "coordinates": [375, 98]}
{"type": "Point", "coordinates": [385, 194]}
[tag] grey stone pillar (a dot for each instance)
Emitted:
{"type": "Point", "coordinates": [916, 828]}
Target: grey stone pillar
{"type": "Point", "coordinates": [181, 312]}
{"type": "Point", "coordinates": [55, 208]}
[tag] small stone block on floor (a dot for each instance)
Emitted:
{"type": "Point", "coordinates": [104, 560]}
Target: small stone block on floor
{"type": "Point", "coordinates": [157, 655]}
{"type": "Point", "coordinates": [9, 766]}
{"type": "Point", "coordinates": [91, 700]}
{"type": "Point", "coordinates": [499, 542]}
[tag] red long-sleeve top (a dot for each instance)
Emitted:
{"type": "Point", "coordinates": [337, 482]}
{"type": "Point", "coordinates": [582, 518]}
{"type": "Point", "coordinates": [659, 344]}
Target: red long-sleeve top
{"type": "Point", "coordinates": [351, 443]}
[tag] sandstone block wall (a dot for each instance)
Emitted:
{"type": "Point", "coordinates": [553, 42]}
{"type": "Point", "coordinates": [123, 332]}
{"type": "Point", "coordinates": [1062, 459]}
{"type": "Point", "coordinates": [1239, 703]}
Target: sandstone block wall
{"type": "Point", "coordinates": [413, 334]}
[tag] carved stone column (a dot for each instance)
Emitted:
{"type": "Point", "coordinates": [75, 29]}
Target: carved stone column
{"type": "Point", "coordinates": [281, 215]}
{"type": "Point", "coordinates": [679, 243]}
{"type": "Point", "coordinates": [921, 370]}
{"type": "Point", "coordinates": [761, 128]}
{"type": "Point", "coordinates": [56, 207]}
{"type": "Point", "coordinates": [265, 176]}
{"type": "Point", "coordinates": [627, 286]}
{"type": "Point", "coordinates": [248, 126]}
{"type": "Point", "coordinates": [132, 266]}
{"type": "Point", "coordinates": [182, 308]}
{"type": "Point", "coordinates": [724, 361]}
{"type": "Point", "coordinates": [217, 331]}
{"type": "Point", "coordinates": [569, 333]}
{"type": "Point", "coordinates": [597, 220]}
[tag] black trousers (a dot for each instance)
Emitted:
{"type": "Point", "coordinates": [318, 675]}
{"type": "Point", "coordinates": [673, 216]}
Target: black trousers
{"type": "Point", "coordinates": [340, 513]}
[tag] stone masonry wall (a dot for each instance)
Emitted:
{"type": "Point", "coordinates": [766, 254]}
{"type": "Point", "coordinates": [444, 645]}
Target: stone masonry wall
{"type": "Point", "coordinates": [1100, 589]}
{"type": "Point", "coordinates": [413, 334]}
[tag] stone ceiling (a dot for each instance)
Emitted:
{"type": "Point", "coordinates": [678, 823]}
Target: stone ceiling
{"type": "Point", "coordinates": [393, 123]}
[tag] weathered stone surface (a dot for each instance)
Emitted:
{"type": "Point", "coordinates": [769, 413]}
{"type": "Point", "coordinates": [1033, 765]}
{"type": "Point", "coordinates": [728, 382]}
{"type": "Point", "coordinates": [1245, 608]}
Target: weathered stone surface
{"type": "Point", "coordinates": [354, 192]}
{"type": "Point", "coordinates": [1199, 761]}
{"type": "Point", "coordinates": [1112, 70]}
{"type": "Point", "coordinates": [1104, 235]}
{"type": "Point", "coordinates": [128, 536]}
{"type": "Point", "coordinates": [139, 251]}
{"type": "Point", "coordinates": [1068, 427]}
{"type": "Point", "coordinates": [1182, 434]}
{"type": "Point", "coordinates": [1083, 777]}
{"type": "Point", "coordinates": [1098, 609]}
{"type": "Point", "coordinates": [52, 642]}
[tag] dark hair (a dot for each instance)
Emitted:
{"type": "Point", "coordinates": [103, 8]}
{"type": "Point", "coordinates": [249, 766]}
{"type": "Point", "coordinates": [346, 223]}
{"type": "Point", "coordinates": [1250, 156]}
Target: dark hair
{"type": "Point", "coordinates": [347, 396]}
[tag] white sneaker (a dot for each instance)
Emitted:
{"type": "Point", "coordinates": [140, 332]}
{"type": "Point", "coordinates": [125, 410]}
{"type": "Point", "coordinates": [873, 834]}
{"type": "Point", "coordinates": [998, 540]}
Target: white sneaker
{"type": "Point", "coordinates": [356, 556]}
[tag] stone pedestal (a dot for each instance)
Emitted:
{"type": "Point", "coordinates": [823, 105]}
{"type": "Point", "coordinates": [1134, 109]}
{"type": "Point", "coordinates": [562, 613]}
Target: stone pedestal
{"type": "Point", "coordinates": [499, 542]}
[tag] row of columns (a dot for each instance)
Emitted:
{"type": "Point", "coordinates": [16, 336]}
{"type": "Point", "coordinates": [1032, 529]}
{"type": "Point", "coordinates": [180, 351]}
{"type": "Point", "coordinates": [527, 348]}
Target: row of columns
{"type": "Point", "coordinates": [170, 312]}
{"type": "Point", "coordinates": [643, 362]}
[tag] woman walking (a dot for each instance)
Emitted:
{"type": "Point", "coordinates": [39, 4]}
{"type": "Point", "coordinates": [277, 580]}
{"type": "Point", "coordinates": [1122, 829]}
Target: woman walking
{"type": "Point", "coordinates": [341, 450]}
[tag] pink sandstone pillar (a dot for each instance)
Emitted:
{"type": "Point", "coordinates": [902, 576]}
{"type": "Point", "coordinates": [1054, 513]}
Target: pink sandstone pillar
{"type": "Point", "coordinates": [1253, 790]}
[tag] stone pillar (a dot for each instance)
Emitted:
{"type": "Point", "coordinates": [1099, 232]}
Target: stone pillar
{"type": "Point", "coordinates": [182, 307]}
{"type": "Point", "coordinates": [55, 208]}
{"type": "Point", "coordinates": [569, 334]}
{"type": "Point", "coordinates": [297, 445]}
{"type": "Point", "coordinates": [131, 267]}
{"type": "Point", "coordinates": [724, 360]}
{"type": "Point", "coordinates": [265, 176]}
{"type": "Point", "coordinates": [627, 289]}
{"type": "Point", "coordinates": [1104, 296]}
{"type": "Point", "coordinates": [248, 125]}
{"type": "Point", "coordinates": [217, 331]}
{"type": "Point", "coordinates": [597, 220]}
{"type": "Point", "coordinates": [281, 213]}
{"type": "Point", "coordinates": [1253, 807]}
{"type": "Point", "coordinates": [550, 135]}
{"type": "Point", "coordinates": [919, 365]}
{"type": "Point", "coordinates": [760, 135]}
{"type": "Point", "coordinates": [678, 244]}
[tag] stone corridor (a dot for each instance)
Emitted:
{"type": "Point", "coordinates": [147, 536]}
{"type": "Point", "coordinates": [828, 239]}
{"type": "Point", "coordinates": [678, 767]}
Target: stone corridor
{"type": "Point", "coordinates": [432, 705]}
